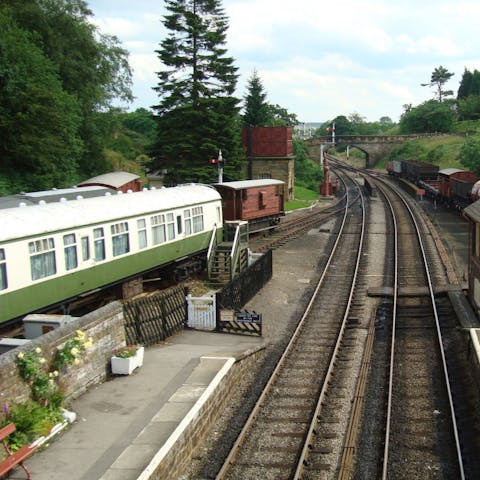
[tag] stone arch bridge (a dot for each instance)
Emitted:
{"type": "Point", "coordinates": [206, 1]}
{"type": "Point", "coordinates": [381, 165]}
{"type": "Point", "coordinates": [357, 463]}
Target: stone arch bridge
{"type": "Point", "coordinates": [375, 147]}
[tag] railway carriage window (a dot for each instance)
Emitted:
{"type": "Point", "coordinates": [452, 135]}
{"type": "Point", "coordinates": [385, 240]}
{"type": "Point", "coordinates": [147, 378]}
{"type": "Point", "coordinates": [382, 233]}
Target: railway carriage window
{"type": "Point", "coordinates": [120, 242]}
{"type": "Point", "coordinates": [42, 258]}
{"type": "Point", "coordinates": [70, 244]}
{"type": "Point", "coordinates": [158, 229]}
{"type": "Point", "coordinates": [197, 214]}
{"type": "Point", "coordinates": [170, 226]}
{"type": "Point", "coordinates": [188, 222]}
{"type": "Point", "coordinates": [99, 244]}
{"type": "Point", "coordinates": [179, 224]}
{"type": "Point", "coordinates": [3, 270]}
{"type": "Point", "coordinates": [142, 233]}
{"type": "Point", "coordinates": [85, 248]}
{"type": "Point", "coordinates": [219, 215]}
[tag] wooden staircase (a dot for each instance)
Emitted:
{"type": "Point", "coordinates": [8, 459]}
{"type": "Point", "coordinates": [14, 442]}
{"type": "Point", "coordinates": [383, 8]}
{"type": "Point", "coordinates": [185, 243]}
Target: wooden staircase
{"type": "Point", "coordinates": [220, 272]}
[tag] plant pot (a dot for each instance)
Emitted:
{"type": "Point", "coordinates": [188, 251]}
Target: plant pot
{"type": "Point", "coordinates": [125, 366]}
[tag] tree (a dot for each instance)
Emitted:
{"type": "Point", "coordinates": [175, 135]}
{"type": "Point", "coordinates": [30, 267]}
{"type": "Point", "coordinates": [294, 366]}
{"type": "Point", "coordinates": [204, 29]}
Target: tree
{"type": "Point", "coordinates": [465, 85]}
{"type": "Point", "coordinates": [256, 108]}
{"type": "Point", "coordinates": [428, 117]}
{"type": "Point", "coordinates": [197, 112]}
{"type": "Point", "coordinates": [39, 121]}
{"type": "Point", "coordinates": [308, 173]}
{"type": "Point", "coordinates": [469, 108]}
{"type": "Point", "coordinates": [279, 116]}
{"type": "Point", "coordinates": [469, 155]}
{"type": "Point", "coordinates": [91, 68]}
{"type": "Point", "coordinates": [440, 76]}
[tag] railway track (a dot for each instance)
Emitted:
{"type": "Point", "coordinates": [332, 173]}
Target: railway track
{"type": "Point", "coordinates": [280, 438]}
{"type": "Point", "coordinates": [289, 229]}
{"type": "Point", "coordinates": [421, 434]}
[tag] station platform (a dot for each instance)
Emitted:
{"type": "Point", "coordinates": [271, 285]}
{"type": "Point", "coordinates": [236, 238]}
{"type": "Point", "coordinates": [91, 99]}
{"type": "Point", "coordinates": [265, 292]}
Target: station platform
{"type": "Point", "coordinates": [126, 426]}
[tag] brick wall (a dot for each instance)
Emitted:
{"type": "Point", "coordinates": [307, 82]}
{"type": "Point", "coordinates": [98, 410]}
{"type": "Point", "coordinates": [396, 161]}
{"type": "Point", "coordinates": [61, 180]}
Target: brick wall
{"type": "Point", "coordinates": [105, 326]}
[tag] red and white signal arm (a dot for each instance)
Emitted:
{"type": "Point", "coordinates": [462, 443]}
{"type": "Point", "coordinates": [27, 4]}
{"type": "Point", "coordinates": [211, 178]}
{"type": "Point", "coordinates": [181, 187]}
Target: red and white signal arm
{"type": "Point", "coordinates": [213, 161]}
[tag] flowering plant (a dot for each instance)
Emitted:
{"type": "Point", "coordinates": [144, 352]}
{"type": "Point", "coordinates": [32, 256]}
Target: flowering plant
{"type": "Point", "coordinates": [34, 370]}
{"type": "Point", "coordinates": [72, 350]}
{"type": "Point", "coordinates": [126, 352]}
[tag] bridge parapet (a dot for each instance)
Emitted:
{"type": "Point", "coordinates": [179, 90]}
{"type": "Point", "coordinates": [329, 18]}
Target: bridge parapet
{"type": "Point", "coordinates": [375, 147]}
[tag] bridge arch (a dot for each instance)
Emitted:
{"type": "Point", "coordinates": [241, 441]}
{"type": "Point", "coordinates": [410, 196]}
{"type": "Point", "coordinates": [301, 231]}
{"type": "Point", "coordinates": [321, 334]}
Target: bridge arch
{"type": "Point", "coordinates": [375, 147]}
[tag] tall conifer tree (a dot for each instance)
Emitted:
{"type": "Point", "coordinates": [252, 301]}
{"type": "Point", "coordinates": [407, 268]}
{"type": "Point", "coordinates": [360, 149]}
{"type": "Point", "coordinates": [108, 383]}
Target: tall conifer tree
{"type": "Point", "coordinates": [197, 113]}
{"type": "Point", "coordinates": [256, 108]}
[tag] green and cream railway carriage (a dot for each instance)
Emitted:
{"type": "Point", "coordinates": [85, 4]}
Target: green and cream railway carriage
{"type": "Point", "coordinates": [53, 253]}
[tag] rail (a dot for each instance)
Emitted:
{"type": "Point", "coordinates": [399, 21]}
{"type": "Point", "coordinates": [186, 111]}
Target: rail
{"type": "Point", "coordinates": [330, 372]}
{"type": "Point", "coordinates": [440, 345]}
{"type": "Point", "coordinates": [211, 250]}
{"type": "Point", "coordinates": [235, 253]}
{"type": "Point", "coordinates": [290, 348]}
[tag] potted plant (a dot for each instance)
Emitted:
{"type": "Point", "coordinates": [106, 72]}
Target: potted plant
{"type": "Point", "coordinates": [126, 359]}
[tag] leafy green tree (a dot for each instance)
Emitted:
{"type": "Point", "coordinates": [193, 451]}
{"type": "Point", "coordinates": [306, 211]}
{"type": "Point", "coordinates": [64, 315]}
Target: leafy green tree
{"type": "Point", "coordinates": [440, 76]}
{"type": "Point", "coordinates": [428, 117]}
{"type": "Point", "coordinates": [469, 155]}
{"type": "Point", "coordinates": [469, 108]}
{"type": "Point", "coordinates": [91, 67]}
{"type": "Point", "coordinates": [308, 173]}
{"type": "Point", "coordinates": [280, 117]}
{"type": "Point", "coordinates": [197, 113]}
{"type": "Point", "coordinates": [256, 112]}
{"type": "Point", "coordinates": [39, 121]}
{"type": "Point", "coordinates": [141, 121]}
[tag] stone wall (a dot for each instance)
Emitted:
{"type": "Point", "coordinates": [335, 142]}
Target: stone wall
{"type": "Point", "coordinates": [179, 456]}
{"type": "Point", "coordinates": [279, 168]}
{"type": "Point", "coordinates": [105, 326]}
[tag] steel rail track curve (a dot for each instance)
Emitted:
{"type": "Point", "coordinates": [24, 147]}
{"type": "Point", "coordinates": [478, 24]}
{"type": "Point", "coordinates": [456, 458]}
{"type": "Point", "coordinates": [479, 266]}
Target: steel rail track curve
{"type": "Point", "coordinates": [290, 347]}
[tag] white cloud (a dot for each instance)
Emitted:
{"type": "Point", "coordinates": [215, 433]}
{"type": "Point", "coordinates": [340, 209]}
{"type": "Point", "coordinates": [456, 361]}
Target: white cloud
{"type": "Point", "coordinates": [319, 58]}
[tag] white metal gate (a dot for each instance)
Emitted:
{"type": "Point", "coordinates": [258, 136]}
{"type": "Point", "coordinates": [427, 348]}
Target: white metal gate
{"type": "Point", "coordinates": [201, 312]}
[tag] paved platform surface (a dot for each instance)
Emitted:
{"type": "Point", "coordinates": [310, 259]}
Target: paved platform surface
{"type": "Point", "coordinates": [123, 422]}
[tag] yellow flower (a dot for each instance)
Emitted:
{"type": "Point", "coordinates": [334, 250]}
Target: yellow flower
{"type": "Point", "coordinates": [38, 350]}
{"type": "Point", "coordinates": [42, 360]}
{"type": "Point", "coordinates": [20, 355]}
{"type": "Point", "coordinates": [88, 344]}
{"type": "Point", "coordinates": [76, 361]}
{"type": "Point", "coordinates": [80, 334]}
{"type": "Point", "coordinates": [55, 373]}
{"type": "Point", "coordinates": [50, 381]}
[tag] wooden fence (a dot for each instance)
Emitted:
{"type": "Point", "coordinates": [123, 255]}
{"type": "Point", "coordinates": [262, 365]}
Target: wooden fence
{"type": "Point", "coordinates": [151, 319]}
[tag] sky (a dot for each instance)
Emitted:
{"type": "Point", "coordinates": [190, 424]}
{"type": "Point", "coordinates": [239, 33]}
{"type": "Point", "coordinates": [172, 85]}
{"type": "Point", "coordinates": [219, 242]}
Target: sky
{"type": "Point", "coordinates": [317, 58]}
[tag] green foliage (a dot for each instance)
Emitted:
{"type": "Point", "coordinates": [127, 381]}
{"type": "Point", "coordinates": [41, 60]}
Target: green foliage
{"type": "Point", "coordinates": [307, 173]}
{"type": "Point", "coordinates": [440, 76]}
{"type": "Point", "coordinates": [304, 197]}
{"type": "Point", "coordinates": [469, 107]}
{"type": "Point", "coordinates": [280, 117]}
{"type": "Point", "coordinates": [34, 370]}
{"type": "Point", "coordinates": [72, 350]}
{"type": "Point", "coordinates": [409, 151]}
{"type": "Point", "coordinates": [469, 155]}
{"type": "Point", "coordinates": [31, 421]}
{"type": "Point", "coordinates": [57, 72]}
{"type": "Point", "coordinates": [197, 113]}
{"type": "Point", "coordinates": [126, 352]}
{"type": "Point", "coordinates": [39, 121]}
{"type": "Point", "coordinates": [255, 106]}
{"type": "Point", "coordinates": [428, 117]}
